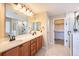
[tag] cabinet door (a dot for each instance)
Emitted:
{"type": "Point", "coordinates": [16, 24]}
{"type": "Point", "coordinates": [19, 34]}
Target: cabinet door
{"type": "Point", "coordinates": [33, 47]}
{"type": "Point", "coordinates": [12, 52]}
{"type": "Point", "coordinates": [39, 42]}
{"type": "Point", "coordinates": [25, 49]}
{"type": "Point", "coordinates": [0, 54]}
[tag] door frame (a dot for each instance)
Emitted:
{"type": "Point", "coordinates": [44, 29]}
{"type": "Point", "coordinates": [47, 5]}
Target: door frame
{"type": "Point", "coordinates": [54, 28]}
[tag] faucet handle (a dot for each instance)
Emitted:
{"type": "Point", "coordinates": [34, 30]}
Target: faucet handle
{"type": "Point", "coordinates": [13, 37]}
{"type": "Point", "coordinates": [8, 35]}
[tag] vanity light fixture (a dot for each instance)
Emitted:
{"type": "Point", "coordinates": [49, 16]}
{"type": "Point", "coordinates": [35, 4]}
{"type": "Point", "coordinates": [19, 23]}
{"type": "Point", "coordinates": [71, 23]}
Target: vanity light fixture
{"type": "Point", "coordinates": [22, 8]}
{"type": "Point", "coordinates": [18, 6]}
{"type": "Point", "coordinates": [31, 13]}
{"type": "Point", "coordinates": [28, 12]}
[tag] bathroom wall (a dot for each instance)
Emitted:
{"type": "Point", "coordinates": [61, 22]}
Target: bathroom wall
{"type": "Point", "coordinates": [51, 30]}
{"type": "Point", "coordinates": [2, 20]}
{"type": "Point", "coordinates": [31, 20]}
{"type": "Point", "coordinates": [43, 19]}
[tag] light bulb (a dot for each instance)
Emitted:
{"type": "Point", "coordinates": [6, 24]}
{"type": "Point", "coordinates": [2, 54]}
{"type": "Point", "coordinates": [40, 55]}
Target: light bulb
{"type": "Point", "coordinates": [31, 13]}
{"type": "Point", "coordinates": [27, 12]}
{"type": "Point", "coordinates": [18, 7]}
{"type": "Point", "coordinates": [24, 9]}
{"type": "Point", "coordinates": [20, 10]}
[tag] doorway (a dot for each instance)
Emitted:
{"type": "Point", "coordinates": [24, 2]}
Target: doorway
{"type": "Point", "coordinates": [59, 31]}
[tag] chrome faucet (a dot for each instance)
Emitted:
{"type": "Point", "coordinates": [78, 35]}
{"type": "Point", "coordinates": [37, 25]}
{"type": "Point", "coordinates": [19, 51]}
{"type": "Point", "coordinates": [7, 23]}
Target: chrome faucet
{"type": "Point", "coordinates": [11, 38]}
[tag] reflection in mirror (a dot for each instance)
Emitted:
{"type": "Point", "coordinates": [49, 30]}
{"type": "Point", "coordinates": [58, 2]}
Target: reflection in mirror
{"type": "Point", "coordinates": [36, 26]}
{"type": "Point", "coordinates": [16, 22]}
{"type": "Point", "coordinates": [8, 30]}
{"type": "Point", "coordinates": [21, 27]}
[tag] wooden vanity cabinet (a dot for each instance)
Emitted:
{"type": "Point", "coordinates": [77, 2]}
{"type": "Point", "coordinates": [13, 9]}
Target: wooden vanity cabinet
{"type": "Point", "coordinates": [0, 54]}
{"type": "Point", "coordinates": [36, 44]}
{"type": "Point", "coordinates": [25, 49]}
{"type": "Point", "coordinates": [39, 42]}
{"type": "Point", "coordinates": [12, 52]}
{"type": "Point", "coordinates": [33, 46]}
{"type": "Point", "coordinates": [29, 48]}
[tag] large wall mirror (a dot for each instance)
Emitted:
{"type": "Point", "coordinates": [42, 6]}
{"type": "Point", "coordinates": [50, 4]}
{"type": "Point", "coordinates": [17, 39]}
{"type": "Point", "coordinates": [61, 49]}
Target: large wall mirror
{"type": "Point", "coordinates": [16, 22]}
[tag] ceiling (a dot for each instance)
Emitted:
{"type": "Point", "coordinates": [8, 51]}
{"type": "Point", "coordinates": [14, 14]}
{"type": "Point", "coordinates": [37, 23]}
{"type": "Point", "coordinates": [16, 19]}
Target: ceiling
{"type": "Point", "coordinates": [54, 9]}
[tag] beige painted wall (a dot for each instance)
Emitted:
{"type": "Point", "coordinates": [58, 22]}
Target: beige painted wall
{"type": "Point", "coordinates": [31, 20]}
{"type": "Point", "coordinates": [2, 20]}
{"type": "Point", "coordinates": [41, 17]}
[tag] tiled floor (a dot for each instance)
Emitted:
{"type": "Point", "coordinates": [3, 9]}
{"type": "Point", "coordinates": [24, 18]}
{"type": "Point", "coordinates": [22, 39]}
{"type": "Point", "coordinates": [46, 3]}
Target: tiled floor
{"type": "Point", "coordinates": [55, 50]}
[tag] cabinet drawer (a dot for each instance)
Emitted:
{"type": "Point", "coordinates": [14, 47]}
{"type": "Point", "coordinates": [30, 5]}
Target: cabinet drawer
{"type": "Point", "coordinates": [33, 41]}
{"type": "Point", "coordinates": [33, 52]}
{"type": "Point", "coordinates": [33, 46]}
{"type": "Point", "coordinates": [27, 43]}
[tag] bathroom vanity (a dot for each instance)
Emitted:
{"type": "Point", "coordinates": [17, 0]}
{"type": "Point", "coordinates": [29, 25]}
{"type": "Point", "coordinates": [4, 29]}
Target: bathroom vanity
{"type": "Point", "coordinates": [25, 49]}
{"type": "Point", "coordinates": [28, 35]}
{"type": "Point", "coordinates": [0, 54]}
{"type": "Point", "coordinates": [20, 47]}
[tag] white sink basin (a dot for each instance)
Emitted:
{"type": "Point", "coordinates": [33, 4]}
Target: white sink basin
{"type": "Point", "coordinates": [6, 45]}
{"type": "Point", "coordinates": [10, 42]}
{"type": "Point", "coordinates": [24, 37]}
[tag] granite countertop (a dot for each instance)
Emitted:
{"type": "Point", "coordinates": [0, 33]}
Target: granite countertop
{"type": "Point", "coordinates": [6, 45]}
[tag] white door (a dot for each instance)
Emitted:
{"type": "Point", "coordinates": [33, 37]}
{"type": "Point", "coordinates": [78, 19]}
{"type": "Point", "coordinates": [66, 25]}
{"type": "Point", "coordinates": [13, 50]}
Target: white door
{"type": "Point", "coordinates": [48, 31]}
{"type": "Point", "coordinates": [76, 44]}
